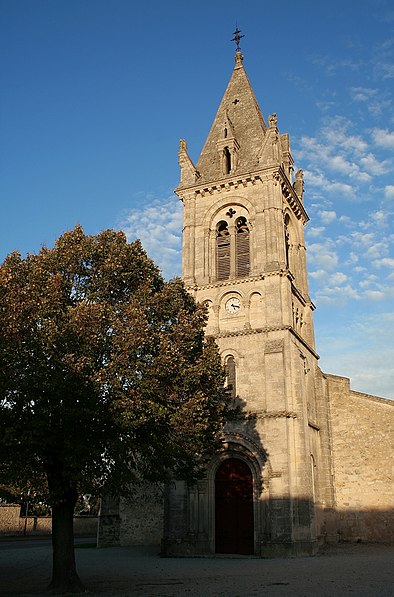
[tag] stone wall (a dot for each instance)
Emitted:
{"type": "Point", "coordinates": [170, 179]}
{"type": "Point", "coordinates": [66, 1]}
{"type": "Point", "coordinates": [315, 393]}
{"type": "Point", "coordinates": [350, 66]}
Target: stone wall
{"type": "Point", "coordinates": [9, 519]}
{"type": "Point", "coordinates": [137, 520]}
{"type": "Point", "coordinates": [362, 437]}
{"type": "Point", "coordinates": [11, 523]}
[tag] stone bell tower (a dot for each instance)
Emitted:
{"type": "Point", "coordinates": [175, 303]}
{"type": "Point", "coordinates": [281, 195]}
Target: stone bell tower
{"type": "Point", "coordinates": [244, 256]}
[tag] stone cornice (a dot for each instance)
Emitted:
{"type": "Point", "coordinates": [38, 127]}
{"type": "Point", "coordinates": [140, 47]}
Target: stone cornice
{"type": "Point", "coordinates": [224, 283]}
{"type": "Point", "coordinates": [298, 294]}
{"type": "Point", "coordinates": [303, 342]}
{"type": "Point", "coordinates": [301, 298]}
{"type": "Point", "coordinates": [236, 281]}
{"type": "Point", "coordinates": [291, 196]}
{"type": "Point", "coordinates": [228, 185]}
{"type": "Point", "coordinates": [274, 414]}
{"type": "Point", "coordinates": [250, 331]}
{"type": "Point", "coordinates": [240, 332]}
{"type": "Point", "coordinates": [225, 184]}
{"type": "Point", "coordinates": [264, 330]}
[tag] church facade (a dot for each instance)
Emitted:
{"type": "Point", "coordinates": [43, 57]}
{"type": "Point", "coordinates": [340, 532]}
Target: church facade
{"type": "Point", "coordinates": [311, 460]}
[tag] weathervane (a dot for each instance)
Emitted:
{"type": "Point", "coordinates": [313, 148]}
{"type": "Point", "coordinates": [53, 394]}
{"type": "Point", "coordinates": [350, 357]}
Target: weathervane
{"type": "Point", "coordinates": [237, 38]}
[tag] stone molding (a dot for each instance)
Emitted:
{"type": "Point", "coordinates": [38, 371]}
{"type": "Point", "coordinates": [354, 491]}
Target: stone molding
{"type": "Point", "coordinates": [303, 342]}
{"type": "Point", "coordinates": [225, 185]}
{"type": "Point", "coordinates": [290, 195]}
{"type": "Point", "coordinates": [232, 282]}
{"type": "Point", "coordinates": [242, 444]}
{"type": "Point", "coordinates": [237, 281]}
{"type": "Point", "coordinates": [278, 414]}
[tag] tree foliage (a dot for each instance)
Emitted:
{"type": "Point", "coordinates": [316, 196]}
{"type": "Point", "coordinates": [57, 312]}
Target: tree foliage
{"type": "Point", "coordinates": [105, 374]}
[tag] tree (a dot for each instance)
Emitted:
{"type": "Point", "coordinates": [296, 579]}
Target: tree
{"type": "Point", "coordinates": [102, 364]}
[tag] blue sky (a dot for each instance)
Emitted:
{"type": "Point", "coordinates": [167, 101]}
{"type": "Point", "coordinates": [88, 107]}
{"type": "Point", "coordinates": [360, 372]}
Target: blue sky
{"type": "Point", "coordinates": [95, 95]}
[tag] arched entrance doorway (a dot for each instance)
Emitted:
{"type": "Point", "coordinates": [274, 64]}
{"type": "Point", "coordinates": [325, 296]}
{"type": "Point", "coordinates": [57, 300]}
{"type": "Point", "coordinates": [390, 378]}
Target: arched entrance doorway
{"type": "Point", "coordinates": [234, 528]}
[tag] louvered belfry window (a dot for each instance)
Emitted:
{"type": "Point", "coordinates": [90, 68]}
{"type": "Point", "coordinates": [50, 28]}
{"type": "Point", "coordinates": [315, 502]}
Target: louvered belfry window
{"type": "Point", "coordinates": [242, 250]}
{"type": "Point", "coordinates": [222, 251]}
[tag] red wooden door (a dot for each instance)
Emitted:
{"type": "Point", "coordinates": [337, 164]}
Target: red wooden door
{"type": "Point", "coordinates": [234, 528]}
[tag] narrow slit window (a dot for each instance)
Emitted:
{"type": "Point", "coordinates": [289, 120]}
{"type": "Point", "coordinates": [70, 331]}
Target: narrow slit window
{"type": "Point", "coordinates": [230, 376]}
{"type": "Point", "coordinates": [287, 241]}
{"type": "Point", "coordinates": [227, 160]}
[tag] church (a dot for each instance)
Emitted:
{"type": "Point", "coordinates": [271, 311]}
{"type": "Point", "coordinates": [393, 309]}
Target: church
{"type": "Point", "coordinates": [311, 460]}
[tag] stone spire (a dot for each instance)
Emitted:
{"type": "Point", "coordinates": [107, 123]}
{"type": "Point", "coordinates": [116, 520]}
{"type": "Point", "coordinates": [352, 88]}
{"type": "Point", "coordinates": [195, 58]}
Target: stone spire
{"type": "Point", "coordinates": [238, 130]}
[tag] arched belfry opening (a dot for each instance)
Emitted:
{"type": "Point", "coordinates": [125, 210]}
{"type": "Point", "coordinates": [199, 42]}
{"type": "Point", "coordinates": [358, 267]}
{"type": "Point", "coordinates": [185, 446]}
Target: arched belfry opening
{"type": "Point", "coordinates": [234, 516]}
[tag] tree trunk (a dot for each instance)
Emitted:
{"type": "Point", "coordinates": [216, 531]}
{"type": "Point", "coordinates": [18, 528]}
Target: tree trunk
{"type": "Point", "coordinates": [64, 573]}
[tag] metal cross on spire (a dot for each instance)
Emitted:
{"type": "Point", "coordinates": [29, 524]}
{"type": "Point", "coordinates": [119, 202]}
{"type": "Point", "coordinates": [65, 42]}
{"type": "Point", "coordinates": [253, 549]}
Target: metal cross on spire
{"type": "Point", "coordinates": [237, 38]}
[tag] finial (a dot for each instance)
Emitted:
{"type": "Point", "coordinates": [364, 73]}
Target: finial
{"type": "Point", "coordinates": [237, 38]}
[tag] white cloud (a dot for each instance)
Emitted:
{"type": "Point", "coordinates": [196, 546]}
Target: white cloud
{"type": "Point", "coordinates": [319, 274]}
{"type": "Point", "coordinates": [315, 179]}
{"type": "Point", "coordinates": [322, 255]}
{"type": "Point", "coordinates": [347, 220]}
{"type": "Point", "coordinates": [378, 107]}
{"type": "Point", "coordinates": [383, 138]}
{"type": "Point", "coordinates": [373, 166]}
{"type": "Point", "coordinates": [379, 218]}
{"type": "Point", "coordinates": [384, 262]}
{"type": "Point", "coordinates": [353, 258]}
{"type": "Point", "coordinates": [364, 177]}
{"type": "Point", "coordinates": [159, 226]}
{"type": "Point", "coordinates": [375, 295]}
{"type": "Point", "coordinates": [389, 191]}
{"type": "Point", "coordinates": [362, 94]}
{"type": "Point", "coordinates": [342, 188]}
{"type": "Point", "coordinates": [387, 70]}
{"type": "Point", "coordinates": [319, 180]}
{"type": "Point", "coordinates": [372, 97]}
{"type": "Point", "coordinates": [338, 278]}
{"type": "Point", "coordinates": [315, 231]}
{"type": "Point", "coordinates": [363, 241]}
{"type": "Point", "coordinates": [328, 216]}
{"type": "Point", "coordinates": [359, 269]}
{"type": "Point", "coordinates": [340, 164]}
{"type": "Point", "coordinates": [368, 281]}
{"type": "Point", "coordinates": [337, 294]}
{"type": "Point", "coordinates": [337, 134]}
{"type": "Point", "coordinates": [377, 250]}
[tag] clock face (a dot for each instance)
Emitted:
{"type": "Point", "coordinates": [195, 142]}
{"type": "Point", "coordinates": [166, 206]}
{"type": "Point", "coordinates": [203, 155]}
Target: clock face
{"type": "Point", "coordinates": [233, 305]}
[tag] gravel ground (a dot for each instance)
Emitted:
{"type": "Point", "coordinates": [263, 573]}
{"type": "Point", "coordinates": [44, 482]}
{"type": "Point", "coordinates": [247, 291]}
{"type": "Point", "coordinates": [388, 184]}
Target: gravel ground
{"type": "Point", "coordinates": [358, 570]}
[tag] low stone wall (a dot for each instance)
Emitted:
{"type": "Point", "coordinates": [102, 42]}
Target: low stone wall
{"type": "Point", "coordinates": [11, 523]}
{"type": "Point", "coordinates": [85, 525]}
{"type": "Point", "coordinates": [9, 519]}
